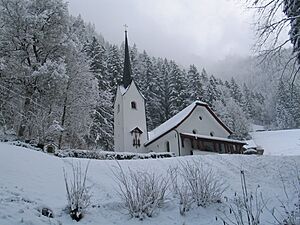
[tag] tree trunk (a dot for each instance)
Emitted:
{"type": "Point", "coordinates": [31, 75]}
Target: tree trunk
{"type": "Point", "coordinates": [63, 119]}
{"type": "Point", "coordinates": [26, 110]}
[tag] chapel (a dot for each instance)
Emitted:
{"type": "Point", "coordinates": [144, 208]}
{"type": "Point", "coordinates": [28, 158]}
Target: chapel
{"type": "Point", "coordinates": [194, 130]}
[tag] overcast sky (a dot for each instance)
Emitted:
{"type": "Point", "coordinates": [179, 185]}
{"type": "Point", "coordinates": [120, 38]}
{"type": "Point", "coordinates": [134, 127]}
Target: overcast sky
{"type": "Point", "coordinates": [189, 31]}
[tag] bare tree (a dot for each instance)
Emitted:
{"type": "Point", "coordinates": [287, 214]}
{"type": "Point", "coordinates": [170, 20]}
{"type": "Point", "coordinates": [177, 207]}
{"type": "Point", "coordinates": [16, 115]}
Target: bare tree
{"type": "Point", "coordinates": [275, 19]}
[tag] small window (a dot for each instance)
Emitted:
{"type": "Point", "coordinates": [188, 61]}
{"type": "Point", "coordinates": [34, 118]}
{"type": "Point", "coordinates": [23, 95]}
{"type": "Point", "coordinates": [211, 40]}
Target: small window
{"type": "Point", "coordinates": [194, 131]}
{"type": "Point", "coordinates": [133, 105]}
{"type": "Point", "coordinates": [118, 108]}
{"type": "Point", "coordinates": [168, 146]}
{"type": "Point", "coordinates": [200, 117]}
{"type": "Point", "coordinates": [212, 133]}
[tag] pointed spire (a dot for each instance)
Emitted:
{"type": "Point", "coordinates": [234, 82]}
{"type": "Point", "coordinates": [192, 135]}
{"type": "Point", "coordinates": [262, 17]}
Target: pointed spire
{"type": "Point", "coordinates": [127, 68]}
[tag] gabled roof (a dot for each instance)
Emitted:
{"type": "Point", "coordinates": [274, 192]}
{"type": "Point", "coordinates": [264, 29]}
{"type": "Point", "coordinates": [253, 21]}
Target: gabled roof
{"type": "Point", "coordinates": [176, 120]}
{"type": "Point", "coordinates": [123, 90]}
{"type": "Point", "coordinates": [136, 129]}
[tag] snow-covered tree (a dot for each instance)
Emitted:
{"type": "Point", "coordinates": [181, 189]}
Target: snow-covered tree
{"type": "Point", "coordinates": [284, 106]}
{"type": "Point", "coordinates": [101, 131]}
{"type": "Point", "coordinates": [235, 91]}
{"type": "Point", "coordinates": [178, 86]}
{"type": "Point", "coordinates": [114, 67]}
{"type": "Point", "coordinates": [212, 92]}
{"type": "Point", "coordinates": [32, 37]}
{"type": "Point", "coordinates": [195, 84]}
{"type": "Point", "coordinates": [148, 83]}
{"type": "Point", "coordinates": [233, 116]}
{"type": "Point", "coordinates": [79, 99]}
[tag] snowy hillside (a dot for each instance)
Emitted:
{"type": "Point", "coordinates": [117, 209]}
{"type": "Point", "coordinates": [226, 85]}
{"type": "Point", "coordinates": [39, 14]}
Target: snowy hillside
{"type": "Point", "coordinates": [280, 142]}
{"type": "Point", "coordinates": [30, 180]}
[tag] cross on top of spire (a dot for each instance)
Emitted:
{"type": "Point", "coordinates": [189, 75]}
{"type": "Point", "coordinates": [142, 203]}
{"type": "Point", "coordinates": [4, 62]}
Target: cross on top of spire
{"type": "Point", "coordinates": [125, 26]}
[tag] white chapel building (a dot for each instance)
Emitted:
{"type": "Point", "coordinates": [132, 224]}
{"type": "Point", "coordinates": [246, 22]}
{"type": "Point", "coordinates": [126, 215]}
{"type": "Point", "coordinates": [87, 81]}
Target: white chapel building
{"type": "Point", "coordinates": [194, 130]}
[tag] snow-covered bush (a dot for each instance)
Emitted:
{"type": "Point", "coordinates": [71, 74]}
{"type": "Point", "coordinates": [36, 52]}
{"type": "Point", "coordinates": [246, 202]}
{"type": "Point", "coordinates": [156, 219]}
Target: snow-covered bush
{"type": "Point", "coordinates": [106, 155]}
{"type": "Point", "coordinates": [204, 184]}
{"type": "Point", "coordinates": [78, 194]}
{"type": "Point", "coordinates": [186, 199]}
{"type": "Point", "coordinates": [142, 192]}
{"type": "Point", "coordinates": [245, 209]}
{"type": "Point", "coordinates": [195, 183]}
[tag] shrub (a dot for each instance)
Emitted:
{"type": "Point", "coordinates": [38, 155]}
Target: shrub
{"type": "Point", "coordinates": [78, 194]}
{"type": "Point", "coordinates": [195, 183]}
{"type": "Point", "coordinates": [142, 192]}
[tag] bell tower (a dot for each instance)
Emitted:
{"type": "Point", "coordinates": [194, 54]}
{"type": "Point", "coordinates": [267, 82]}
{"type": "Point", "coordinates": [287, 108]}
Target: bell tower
{"type": "Point", "coordinates": [130, 130]}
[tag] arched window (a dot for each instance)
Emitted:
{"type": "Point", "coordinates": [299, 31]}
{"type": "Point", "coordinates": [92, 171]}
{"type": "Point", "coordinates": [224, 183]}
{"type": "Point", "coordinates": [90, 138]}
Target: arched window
{"type": "Point", "coordinates": [133, 105]}
{"type": "Point", "coordinates": [200, 117]}
{"type": "Point", "coordinates": [168, 146]}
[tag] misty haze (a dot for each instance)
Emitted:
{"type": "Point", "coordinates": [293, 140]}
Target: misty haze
{"type": "Point", "coordinates": [181, 112]}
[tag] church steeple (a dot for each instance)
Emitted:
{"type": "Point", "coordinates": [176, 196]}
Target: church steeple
{"type": "Point", "coordinates": [127, 68]}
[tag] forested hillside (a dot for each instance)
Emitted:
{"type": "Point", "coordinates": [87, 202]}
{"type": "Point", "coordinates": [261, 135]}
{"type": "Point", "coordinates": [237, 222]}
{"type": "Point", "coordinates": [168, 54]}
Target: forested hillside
{"type": "Point", "coordinates": [58, 79]}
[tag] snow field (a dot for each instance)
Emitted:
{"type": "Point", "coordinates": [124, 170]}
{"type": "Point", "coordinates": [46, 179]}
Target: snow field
{"type": "Point", "coordinates": [30, 180]}
{"type": "Point", "coordinates": [279, 142]}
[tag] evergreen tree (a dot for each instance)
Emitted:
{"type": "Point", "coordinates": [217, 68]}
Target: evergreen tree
{"type": "Point", "coordinates": [164, 89]}
{"type": "Point", "coordinates": [248, 105]}
{"type": "Point", "coordinates": [291, 10]}
{"type": "Point", "coordinates": [284, 117]}
{"type": "Point", "coordinates": [134, 61]}
{"type": "Point", "coordinates": [235, 91]}
{"type": "Point", "coordinates": [148, 83]}
{"type": "Point", "coordinates": [114, 67]}
{"type": "Point", "coordinates": [178, 86]}
{"type": "Point", "coordinates": [212, 92]}
{"type": "Point", "coordinates": [195, 85]}
{"type": "Point", "coordinates": [233, 116]}
{"type": "Point", "coordinates": [101, 131]}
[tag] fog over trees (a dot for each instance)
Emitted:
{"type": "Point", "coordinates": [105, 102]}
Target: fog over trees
{"type": "Point", "coordinates": [58, 79]}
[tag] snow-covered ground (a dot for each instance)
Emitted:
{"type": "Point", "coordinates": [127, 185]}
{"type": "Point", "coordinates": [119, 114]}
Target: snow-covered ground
{"type": "Point", "coordinates": [280, 142]}
{"type": "Point", "coordinates": [30, 180]}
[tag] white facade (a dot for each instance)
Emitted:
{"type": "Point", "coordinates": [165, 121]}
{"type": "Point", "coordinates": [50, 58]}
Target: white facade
{"type": "Point", "coordinates": [129, 113]}
{"type": "Point", "coordinates": [195, 119]}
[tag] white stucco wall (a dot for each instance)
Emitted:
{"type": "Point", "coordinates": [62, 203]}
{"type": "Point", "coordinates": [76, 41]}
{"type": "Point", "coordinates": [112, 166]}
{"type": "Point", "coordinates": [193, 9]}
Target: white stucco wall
{"type": "Point", "coordinates": [127, 119]}
{"type": "Point", "coordinates": [118, 123]}
{"type": "Point", "coordinates": [204, 127]}
{"type": "Point", "coordinates": [160, 145]}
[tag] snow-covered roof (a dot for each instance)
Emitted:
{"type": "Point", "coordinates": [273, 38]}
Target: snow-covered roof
{"type": "Point", "coordinates": [250, 144]}
{"type": "Point", "coordinates": [215, 138]}
{"type": "Point", "coordinates": [172, 122]}
{"type": "Point", "coordinates": [123, 90]}
{"type": "Point", "coordinates": [177, 119]}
